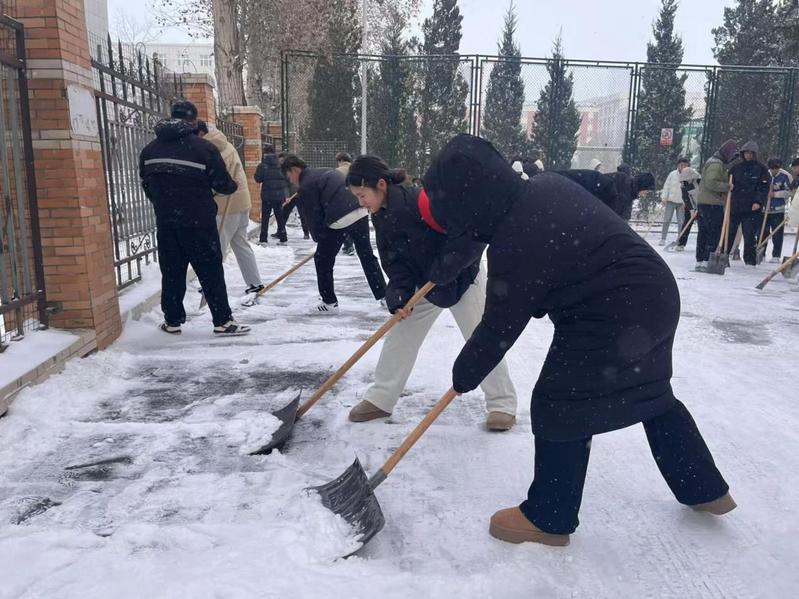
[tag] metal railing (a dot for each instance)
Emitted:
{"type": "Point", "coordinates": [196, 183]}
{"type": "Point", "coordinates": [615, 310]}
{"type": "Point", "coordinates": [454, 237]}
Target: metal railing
{"type": "Point", "coordinates": [234, 133]}
{"type": "Point", "coordinates": [132, 93]}
{"type": "Point", "coordinates": [22, 293]}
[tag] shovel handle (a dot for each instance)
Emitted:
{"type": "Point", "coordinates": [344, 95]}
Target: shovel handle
{"type": "Point", "coordinates": [770, 235]}
{"type": "Point", "coordinates": [411, 439]}
{"type": "Point", "coordinates": [784, 266]}
{"type": "Point", "coordinates": [361, 351]}
{"type": "Point", "coordinates": [725, 227]}
{"type": "Point", "coordinates": [288, 273]}
{"type": "Point", "coordinates": [688, 224]}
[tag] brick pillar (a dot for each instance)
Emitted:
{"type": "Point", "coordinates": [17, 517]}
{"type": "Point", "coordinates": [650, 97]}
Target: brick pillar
{"type": "Point", "coordinates": [198, 88]}
{"type": "Point", "coordinates": [250, 118]}
{"type": "Point", "coordinates": [73, 206]}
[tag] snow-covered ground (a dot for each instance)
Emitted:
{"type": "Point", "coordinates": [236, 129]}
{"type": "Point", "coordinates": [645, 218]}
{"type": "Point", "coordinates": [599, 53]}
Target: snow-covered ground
{"type": "Point", "coordinates": [127, 476]}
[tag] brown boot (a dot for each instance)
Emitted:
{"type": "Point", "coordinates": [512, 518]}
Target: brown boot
{"type": "Point", "coordinates": [718, 507]}
{"type": "Point", "coordinates": [499, 421]}
{"type": "Point", "coordinates": [512, 526]}
{"type": "Point", "coordinates": [366, 411]}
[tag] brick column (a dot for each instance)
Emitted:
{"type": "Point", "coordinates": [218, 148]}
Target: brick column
{"type": "Point", "coordinates": [198, 88]}
{"type": "Point", "coordinates": [70, 184]}
{"type": "Point", "coordinates": [250, 118]}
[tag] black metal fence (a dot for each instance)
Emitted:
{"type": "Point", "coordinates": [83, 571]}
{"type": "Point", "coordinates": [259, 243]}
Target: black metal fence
{"type": "Point", "coordinates": [234, 133]}
{"type": "Point", "coordinates": [22, 294]}
{"type": "Point", "coordinates": [321, 107]}
{"type": "Point", "coordinates": [132, 94]}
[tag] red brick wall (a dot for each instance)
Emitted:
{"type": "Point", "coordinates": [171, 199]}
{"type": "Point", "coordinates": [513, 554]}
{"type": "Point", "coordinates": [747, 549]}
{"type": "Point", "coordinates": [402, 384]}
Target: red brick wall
{"type": "Point", "coordinates": [250, 119]}
{"type": "Point", "coordinates": [201, 94]}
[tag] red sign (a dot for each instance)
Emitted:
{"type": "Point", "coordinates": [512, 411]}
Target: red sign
{"type": "Point", "coordinates": [666, 137]}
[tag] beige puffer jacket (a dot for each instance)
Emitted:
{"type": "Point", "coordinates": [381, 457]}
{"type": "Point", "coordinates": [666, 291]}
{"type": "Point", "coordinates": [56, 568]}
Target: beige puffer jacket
{"type": "Point", "coordinates": [240, 200]}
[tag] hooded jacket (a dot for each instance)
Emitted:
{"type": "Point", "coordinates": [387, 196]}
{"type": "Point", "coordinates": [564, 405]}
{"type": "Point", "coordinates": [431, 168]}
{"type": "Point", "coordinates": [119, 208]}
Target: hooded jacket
{"type": "Point", "coordinates": [603, 187]}
{"type": "Point", "coordinates": [751, 182]}
{"type": "Point", "coordinates": [180, 173]}
{"type": "Point", "coordinates": [323, 199]}
{"type": "Point", "coordinates": [240, 200]}
{"type": "Point", "coordinates": [274, 186]}
{"type": "Point", "coordinates": [554, 250]}
{"type": "Point", "coordinates": [715, 182]}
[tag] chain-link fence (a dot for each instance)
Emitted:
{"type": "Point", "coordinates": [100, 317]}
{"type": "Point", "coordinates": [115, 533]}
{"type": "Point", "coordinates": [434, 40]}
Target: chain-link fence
{"type": "Point", "coordinates": [574, 113]}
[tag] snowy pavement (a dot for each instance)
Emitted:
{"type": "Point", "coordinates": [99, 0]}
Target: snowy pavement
{"type": "Point", "coordinates": [128, 474]}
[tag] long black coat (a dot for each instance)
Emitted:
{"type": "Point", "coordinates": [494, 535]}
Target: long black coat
{"type": "Point", "coordinates": [274, 186]}
{"type": "Point", "coordinates": [180, 173]}
{"type": "Point", "coordinates": [751, 182]}
{"type": "Point", "coordinates": [554, 250]}
{"type": "Point", "coordinates": [323, 198]}
{"type": "Point", "coordinates": [408, 247]}
{"type": "Point", "coordinates": [601, 186]}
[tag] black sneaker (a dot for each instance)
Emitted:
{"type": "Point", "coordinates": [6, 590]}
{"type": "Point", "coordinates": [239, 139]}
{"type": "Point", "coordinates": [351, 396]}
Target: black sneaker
{"type": "Point", "coordinates": [306, 236]}
{"type": "Point", "coordinates": [254, 289]}
{"type": "Point", "coordinates": [275, 236]}
{"type": "Point", "coordinates": [232, 329]}
{"type": "Point", "coordinates": [168, 328]}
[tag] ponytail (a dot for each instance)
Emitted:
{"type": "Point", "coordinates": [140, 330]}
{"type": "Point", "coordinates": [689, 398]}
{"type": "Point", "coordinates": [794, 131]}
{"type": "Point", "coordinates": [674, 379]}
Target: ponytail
{"type": "Point", "coordinates": [367, 170]}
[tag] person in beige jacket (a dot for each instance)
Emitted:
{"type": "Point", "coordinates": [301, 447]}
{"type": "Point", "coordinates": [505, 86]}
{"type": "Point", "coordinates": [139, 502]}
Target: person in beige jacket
{"type": "Point", "coordinates": [234, 210]}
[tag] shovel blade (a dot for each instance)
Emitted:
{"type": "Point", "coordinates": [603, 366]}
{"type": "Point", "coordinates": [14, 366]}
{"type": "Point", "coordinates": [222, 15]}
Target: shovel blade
{"type": "Point", "coordinates": [718, 263]}
{"type": "Point", "coordinates": [351, 497]}
{"type": "Point", "coordinates": [287, 416]}
{"type": "Point", "coordinates": [792, 270]}
{"type": "Point", "coordinates": [761, 254]}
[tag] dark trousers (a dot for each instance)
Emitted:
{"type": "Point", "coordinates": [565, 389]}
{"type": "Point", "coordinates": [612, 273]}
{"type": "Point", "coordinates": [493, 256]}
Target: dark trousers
{"type": "Point", "coordinates": [750, 224]}
{"type": "Point", "coordinates": [328, 245]}
{"type": "Point", "coordinates": [177, 248]}
{"type": "Point", "coordinates": [288, 211]}
{"type": "Point", "coordinates": [683, 240]}
{"type": "Point", "coordinates": [773, 221]}
{"type": "Point", "coordinates": [281, 216]}
{"type": "Point", "coordinates": [680, 452]}
{"type": "Point", "coordinates": [711, 218]}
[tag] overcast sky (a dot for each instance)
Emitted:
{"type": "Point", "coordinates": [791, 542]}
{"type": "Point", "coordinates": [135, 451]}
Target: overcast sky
{"type": "Point", "coordinates": [597, 30]}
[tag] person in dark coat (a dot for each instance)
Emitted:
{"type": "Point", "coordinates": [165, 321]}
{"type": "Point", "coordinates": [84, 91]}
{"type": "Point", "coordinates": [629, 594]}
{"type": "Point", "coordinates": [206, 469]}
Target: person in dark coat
{"type": "Point", "coordinates": [408, 245]}
{"type": "Point", "coordinates": [180, 173]}
{"type": "Point", "coordinates": [751, 183]}
{"type": "Point", "coordinates": [274, 191]}
{"type": "Point", "coordinates": [600, 186]}
{"type": "Point", "coordinates": [554, 250]}
{"type": "Point", "coordinates": [626, 188]}
{"type": "Point", "coordinates": [331, 211]}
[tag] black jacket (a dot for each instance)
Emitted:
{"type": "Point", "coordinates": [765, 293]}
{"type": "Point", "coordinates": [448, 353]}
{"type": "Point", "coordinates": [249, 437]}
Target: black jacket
{"type": "Point", "coordinates": [408, 247]}
{"type": "Point", "coordinates": [627, 190]}
{"type": "Point", "coordinates": [601, 186]}
{"type": "Point", "coordinates": [180, 173]}
{"type": "Point", "coordinates": [554, 250]}
{"type": "Point", "coordinates": [323, 198]}
{"type": "Point", "coordinates": [751, 182]}
{"type": "Point", "coordinates": [274, 186]}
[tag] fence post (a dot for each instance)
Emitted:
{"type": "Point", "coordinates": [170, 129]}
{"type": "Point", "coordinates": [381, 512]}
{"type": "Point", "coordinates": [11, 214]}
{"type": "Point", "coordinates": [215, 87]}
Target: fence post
{"type": "Point", "coordinates": [198, 88]}
{"type": "Point", "coordinates": [710, 109]}
{"type": "Point", "coordinates": [73, 206]}
{"type": "Point", "coordinates": [250, 118]}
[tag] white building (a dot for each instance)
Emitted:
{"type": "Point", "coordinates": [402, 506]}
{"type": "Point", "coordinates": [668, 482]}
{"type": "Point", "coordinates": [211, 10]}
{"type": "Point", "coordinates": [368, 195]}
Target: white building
{"type": "Point", "coordinates": [96, 19]}
{"type": "Point", "coordinates": [184, 58]}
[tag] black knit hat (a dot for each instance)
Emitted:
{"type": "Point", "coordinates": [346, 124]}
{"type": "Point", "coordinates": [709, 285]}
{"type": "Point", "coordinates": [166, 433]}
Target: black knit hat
{"type": "Point", "coordinates": [183, 109]}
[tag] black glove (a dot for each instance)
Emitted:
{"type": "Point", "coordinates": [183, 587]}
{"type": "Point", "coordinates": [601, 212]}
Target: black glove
{"type": "Point", "coordinates": [464, 377]}
{"type": "Point", "coordinates": [397, 298]}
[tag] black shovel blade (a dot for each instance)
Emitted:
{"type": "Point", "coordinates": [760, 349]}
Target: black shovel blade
{"type": "Point", "coordinates": [351, 497]}
{"type": "Point", "coordinates": [718, 263]}
{"type": "Point", "coordinates": [287, 416]}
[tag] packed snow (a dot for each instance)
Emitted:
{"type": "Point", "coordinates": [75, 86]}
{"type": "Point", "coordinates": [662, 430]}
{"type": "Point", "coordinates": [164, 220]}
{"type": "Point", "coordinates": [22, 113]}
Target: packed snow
{"type": "Point", "coordinates": [129, 474]}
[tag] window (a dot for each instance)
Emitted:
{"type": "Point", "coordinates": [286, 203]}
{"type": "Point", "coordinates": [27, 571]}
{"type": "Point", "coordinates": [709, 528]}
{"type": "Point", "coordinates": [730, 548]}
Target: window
{"type": "Point", "coordinates": [207, 60]}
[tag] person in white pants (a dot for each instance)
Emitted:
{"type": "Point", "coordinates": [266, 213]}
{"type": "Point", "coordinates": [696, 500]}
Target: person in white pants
{"type": "Point", "coordinates": [408, 241]}
{"type": "Point", "coordinates": [233, 216]}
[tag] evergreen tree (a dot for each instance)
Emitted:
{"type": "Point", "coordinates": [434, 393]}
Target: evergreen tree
{"type": "Point", "coordinates": [444, 90]}
{"type": "Point", "coordinates": [557, 120]}
{"type": "Point", "coordinates": [749, 103]}
{"type": "Point", "coordinates": [505, 95]}
{"type": "Point", "coordinates": [336, 82]}
{"type": "Point", "coordinates": [661, 103]}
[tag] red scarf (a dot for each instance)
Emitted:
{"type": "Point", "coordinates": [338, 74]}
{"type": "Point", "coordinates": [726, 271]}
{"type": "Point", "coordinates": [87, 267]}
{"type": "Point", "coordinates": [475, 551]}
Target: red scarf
{"type": "Point", "coordinates": [427, 214]}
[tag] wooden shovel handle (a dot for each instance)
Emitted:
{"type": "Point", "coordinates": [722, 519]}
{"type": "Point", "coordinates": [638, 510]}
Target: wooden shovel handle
{"type": "Point", "coordinates": [688, 224]}
{"type": "Point", "coordinates": [725, 227]}
{"type": "Point", "coordinates": [334, 378]}
{"type": "Point", "coordinates": [288, 273]}
{"type": "Point", "coordinates": [765, 216]}
{"type": "Point", "coordinates": [770, 235]}
{"type": "Point", "coordinates": [784, 266]}
{"type": "Point", "coordinates": [411, 439]}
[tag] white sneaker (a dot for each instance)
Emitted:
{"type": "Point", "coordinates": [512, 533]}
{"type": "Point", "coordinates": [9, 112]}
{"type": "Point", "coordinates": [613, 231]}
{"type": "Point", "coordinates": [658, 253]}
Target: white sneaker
{"type": "Point", "coordinates": [701, 267]}
{"type": "Point", "coordinates": [775, 260]}
{"type": "Point", "coordinates": [232, 329]}
{"type": "Point", "coordinates": [662, 242]}
{"type": "Point", "coordinates": [383, 303]}
{"type": "Point", "coordinates": [326, 309]}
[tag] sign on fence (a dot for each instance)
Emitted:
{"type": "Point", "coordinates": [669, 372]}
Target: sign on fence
{"type": "Point", "coordinates": [666, 137]}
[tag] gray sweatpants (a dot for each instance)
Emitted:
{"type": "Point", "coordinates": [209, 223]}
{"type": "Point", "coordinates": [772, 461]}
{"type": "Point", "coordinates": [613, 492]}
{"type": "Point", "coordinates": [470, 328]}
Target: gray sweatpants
{"type": "Point", "coordinates": [403, 342]}
{"type": "Point", "coordinates": [668, 214]}
{"type": "Point", "coordinates": [234, 235]}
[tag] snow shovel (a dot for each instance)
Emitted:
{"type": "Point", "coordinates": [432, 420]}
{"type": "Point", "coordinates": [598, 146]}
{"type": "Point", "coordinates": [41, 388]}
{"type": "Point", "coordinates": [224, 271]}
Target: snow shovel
{"type": "Point", "coordinates": [720, 259]}
{"type": "Point", "coordinates": [789, 272]}
{"type": "Point", "coordinates": [278, 280]}
{"type": "Point", "coordinates": [673, 244]}
{"type": "Point", "coordinates": [219, 229]}
{"type": "Point", "coordinates": [785, 265]}
{"type": "Point", "coordinates": [289, 416]}
{"type": "Point", "coordinates": [762, 245]}
{"type": "Point", "coordinates": [351, 495]}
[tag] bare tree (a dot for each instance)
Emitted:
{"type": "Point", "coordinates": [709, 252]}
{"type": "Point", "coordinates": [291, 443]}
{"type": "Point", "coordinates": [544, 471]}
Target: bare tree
{"type": "Point", "coordinates": [228, 56]}
{"type": "Point", "coordinates": [132, 31]}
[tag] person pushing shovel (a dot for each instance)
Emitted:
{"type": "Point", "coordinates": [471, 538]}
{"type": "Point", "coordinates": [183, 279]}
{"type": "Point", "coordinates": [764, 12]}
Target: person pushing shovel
{"type": "Point", "coordinates": [555, 251]}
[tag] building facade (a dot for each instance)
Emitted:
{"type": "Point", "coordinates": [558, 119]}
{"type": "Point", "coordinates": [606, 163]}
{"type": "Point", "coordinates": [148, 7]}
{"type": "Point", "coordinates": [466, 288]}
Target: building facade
{"type": "Point", "coordinates": [184, 58]}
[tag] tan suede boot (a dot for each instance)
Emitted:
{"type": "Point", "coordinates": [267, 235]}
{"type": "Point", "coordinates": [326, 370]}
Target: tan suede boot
{"type": "Point", "coordinates": [499, 421]}
{"type": "Point", "coordinates": [512, 526]}
{"type": "Point", "coordinates": [366, 411]}
{"type": "Point", "coordinates": [718, 507]}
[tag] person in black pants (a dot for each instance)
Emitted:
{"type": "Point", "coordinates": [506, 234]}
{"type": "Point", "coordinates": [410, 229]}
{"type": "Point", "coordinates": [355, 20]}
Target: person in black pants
{"type": "Point", "coordinates": [751, 183]}
{"type": "Point", "coordinates": [331, 212]}
{"type": "Point", "coordinates": [180, 173]}
{"type": "Point", "coordinates": [689, 180]}
{"type": "Point", "coordinates": [615, 306]}
{"type": "Point", "coordinates": [274, 191]}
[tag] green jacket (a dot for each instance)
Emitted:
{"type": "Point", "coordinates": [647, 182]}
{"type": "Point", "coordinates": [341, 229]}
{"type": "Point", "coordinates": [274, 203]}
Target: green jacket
{"type": "Point", "coordinates": [715, 183]}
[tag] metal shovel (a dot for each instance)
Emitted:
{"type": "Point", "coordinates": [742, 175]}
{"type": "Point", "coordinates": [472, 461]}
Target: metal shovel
{"type": "Point", "coordinates": [720, 259]}
{"type": "Point", "coordinates": [673, 244]}
{"type": "Point", "coordinates": [763, 245]}
{"type": "Point", "coordinates": [277, 281]}
{"type": "Point", "coordinates": [293, 412]}
{"type": "Point", "coordinates": [793, 269]}
{"type": "Point", "coordinates": [351, 495]}
{"type": "Point", "coordinates": [785, 265]}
